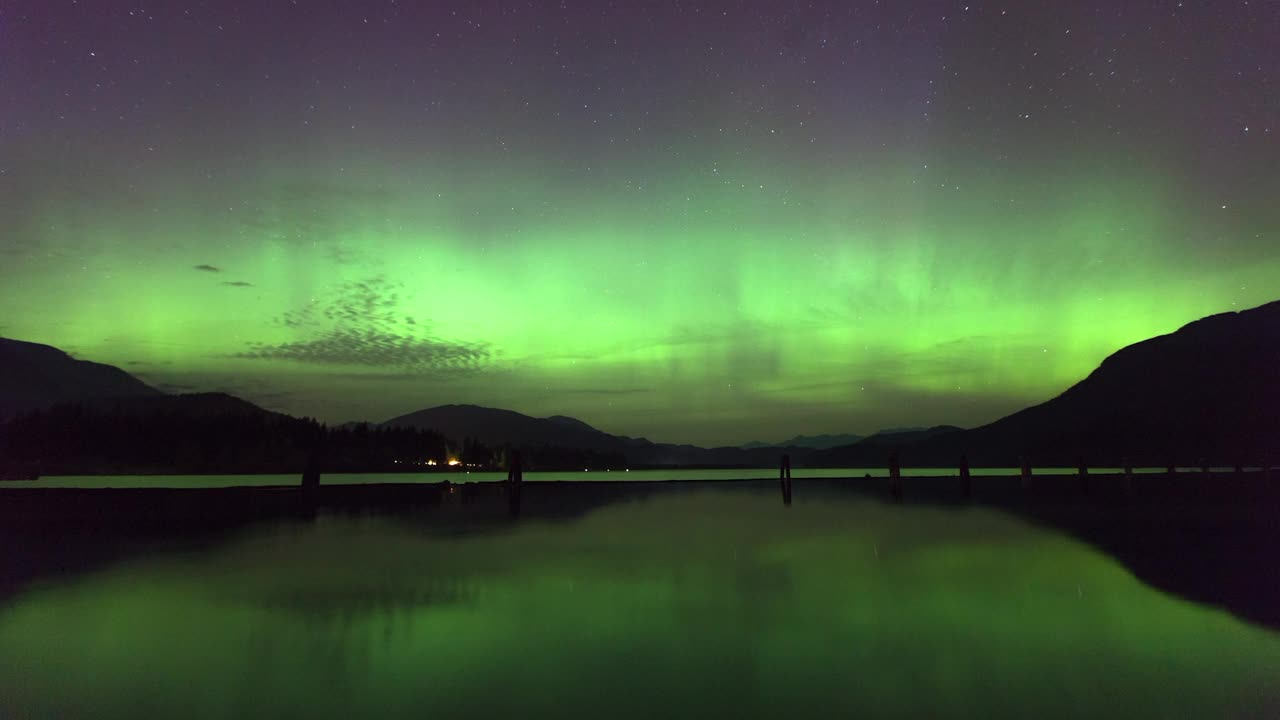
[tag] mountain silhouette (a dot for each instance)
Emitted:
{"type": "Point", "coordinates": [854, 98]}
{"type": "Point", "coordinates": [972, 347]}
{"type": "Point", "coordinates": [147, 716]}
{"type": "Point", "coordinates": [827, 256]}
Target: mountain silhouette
{"type": "Point", "coordinates": [813, 442]}
{"type": "Point", "coordinates": [874, 450]}
{"type": "Point", "coordinates": [495, 426]}
{"type": "Point", "coordinates": [901, 437]}
{"type": "Point", "coordinates": [34, 376]}
{"type": "Point", "coordinates": [193, 405]}
{"type": "Point", "coordinates": [507, 428]}
{"type": "Point", "coordinates": [901, 430]}
{"type": "Point", "coordinates": [1208, 392]}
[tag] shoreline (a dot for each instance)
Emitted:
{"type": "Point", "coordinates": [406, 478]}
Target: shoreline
{"type": "Point", "coordinates": [169, 503]}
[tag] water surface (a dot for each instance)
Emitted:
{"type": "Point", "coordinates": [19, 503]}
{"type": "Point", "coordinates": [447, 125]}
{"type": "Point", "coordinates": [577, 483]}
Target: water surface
{"type": "Point", "coordinates": [694, 604]}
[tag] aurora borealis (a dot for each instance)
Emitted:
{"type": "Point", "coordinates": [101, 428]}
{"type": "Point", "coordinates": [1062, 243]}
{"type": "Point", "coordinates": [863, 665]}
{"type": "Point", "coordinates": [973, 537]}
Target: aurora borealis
{"type": "Point", "coordinates": [705, 221]}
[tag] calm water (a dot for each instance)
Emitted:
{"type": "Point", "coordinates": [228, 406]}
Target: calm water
{"type": "Point", "coordinates": [693, 604]}
{"type": "Point", "coordinates": [204, 481]}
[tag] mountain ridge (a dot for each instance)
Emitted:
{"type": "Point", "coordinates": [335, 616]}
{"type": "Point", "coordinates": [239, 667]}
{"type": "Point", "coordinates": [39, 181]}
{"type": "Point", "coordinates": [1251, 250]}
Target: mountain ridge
{"type": "Point", "coordinates": [1210, 389]}
{"type": "Point", "coordinates": [38, 376]}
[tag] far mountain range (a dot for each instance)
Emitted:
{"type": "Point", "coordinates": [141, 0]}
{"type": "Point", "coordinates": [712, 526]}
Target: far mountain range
{"type": "Point", "coordinates": [1210, 390]}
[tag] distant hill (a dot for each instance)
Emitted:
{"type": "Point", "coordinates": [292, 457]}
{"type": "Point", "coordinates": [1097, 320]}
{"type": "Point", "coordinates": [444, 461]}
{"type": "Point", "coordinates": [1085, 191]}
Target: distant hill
{"type": "Point", "coordinates": [497, 427]}
{"type": "Point", "coordinates": [34, 376]}
{"type": "Point", "coordinates": [900, 430]}
{"type": "Point", "coordinates": [901, 437]}
{"type": "Point", "coordinates": [203, 433]}
{"type": "Point", "coordinates": [192, 405]}
{"type": "Point", "coordinates": [1210, 390]}
{"type": "Point", "coordinates": [874, 450]}
{"type": "Point", "coordinates": [814, 442]}
{"type": "Point", "coordinates": [494, 426]}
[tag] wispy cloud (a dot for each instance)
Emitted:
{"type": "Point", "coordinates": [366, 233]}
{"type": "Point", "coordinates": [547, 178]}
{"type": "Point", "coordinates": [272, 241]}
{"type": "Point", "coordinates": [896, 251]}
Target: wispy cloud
{"type": "Point", "coordinates": [372, 302]}
{"type": "Point", "coordinates": [207, 268]}
{"type": "Point", "coordinates": [373, 348]}
{"type": "Point", "coordinates": [362, 324]}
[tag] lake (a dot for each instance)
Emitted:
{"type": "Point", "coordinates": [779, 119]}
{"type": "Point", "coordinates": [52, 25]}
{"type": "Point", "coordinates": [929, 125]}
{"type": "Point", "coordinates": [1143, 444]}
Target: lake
{"type": "Point", "coordinates": [208, 481]}
{"type": "Point", "coordinates": [699, 603]}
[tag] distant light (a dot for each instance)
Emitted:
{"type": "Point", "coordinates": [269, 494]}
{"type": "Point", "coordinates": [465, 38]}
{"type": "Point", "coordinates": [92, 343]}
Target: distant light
{"type": "Point", "coordinates": [429, 462]}
{"type": "Point", "coordinates": [455, 461]}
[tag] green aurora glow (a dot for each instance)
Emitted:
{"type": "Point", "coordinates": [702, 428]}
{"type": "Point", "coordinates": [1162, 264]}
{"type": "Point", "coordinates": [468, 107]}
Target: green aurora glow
{"type": "Point", "coordinates": [708, 276]}
{"type": "Point", "coordinates": [817, 303]}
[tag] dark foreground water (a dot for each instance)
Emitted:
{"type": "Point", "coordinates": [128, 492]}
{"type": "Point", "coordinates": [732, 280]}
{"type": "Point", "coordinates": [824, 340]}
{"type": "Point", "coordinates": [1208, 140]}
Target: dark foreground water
{"type": "Point", "coordinates": [700, 604]}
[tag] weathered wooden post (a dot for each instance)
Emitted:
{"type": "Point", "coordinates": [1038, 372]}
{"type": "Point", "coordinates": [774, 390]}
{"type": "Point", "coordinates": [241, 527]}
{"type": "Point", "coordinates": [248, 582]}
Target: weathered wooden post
{"type": "Point", "coordinates": [1171, 471]}
{"type": "Point", "coordinates": [1239, 469]}
{"type": "Point", "coordinates": [1128, 475]}
{"type": "Point", "coordinates": [784, 479]}
{"type": "Point", "coordinates": [895, 476]}
{"type": "Point", "coordinates": [1025, 471]}
{"type": "Point", "coordinates": [1082, 469]}
{"type": "Point", "coordinates": [515, 478]}
{"type": "Point", "coordinates": [311, 473]}
{"type": "Point", "coordinates": [966, 481]}
{"type": "Point", "coordinates": [515, 474]}
{"type": "Point", "coordinates": [1204, 468]}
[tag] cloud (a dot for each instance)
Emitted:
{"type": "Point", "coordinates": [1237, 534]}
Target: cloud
{"type": "Point", "coordinates": [369, 303]}
{"type": "Point", "coordinates": [362, 324]}
{"type": "Point", "coordinates": [374, 348]}
{"type": "Point", "coordinates": [238, 283]}
{"type": "Point", "coordinates": [207, 268]}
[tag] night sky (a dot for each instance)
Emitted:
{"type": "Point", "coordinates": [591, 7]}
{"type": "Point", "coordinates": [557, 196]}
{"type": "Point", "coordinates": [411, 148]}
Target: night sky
{"type": "Point", "coordinates": [694, 221]}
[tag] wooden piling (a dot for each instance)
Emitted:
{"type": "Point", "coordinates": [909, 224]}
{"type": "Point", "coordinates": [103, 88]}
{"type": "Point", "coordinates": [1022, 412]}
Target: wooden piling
{"type": "Point", "coordinates": [311, 474]}
{"type": "Point", "coordinates": [1083, 470]}
{"type": "Point", "coordinates": [515, 479]}
{"type": "Point", "coordinates": [966, 480]}
{"type": "Point", "coordinates": [784, 478]}
{"type": "Point", "coordinates": [1128, 475]}
{"type": "Point", "coordinates": [1025, 472]}
{"type": "Point", "coordinates": [895, 476]}
{"type": "Point", "coordinates": [515, 473]}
